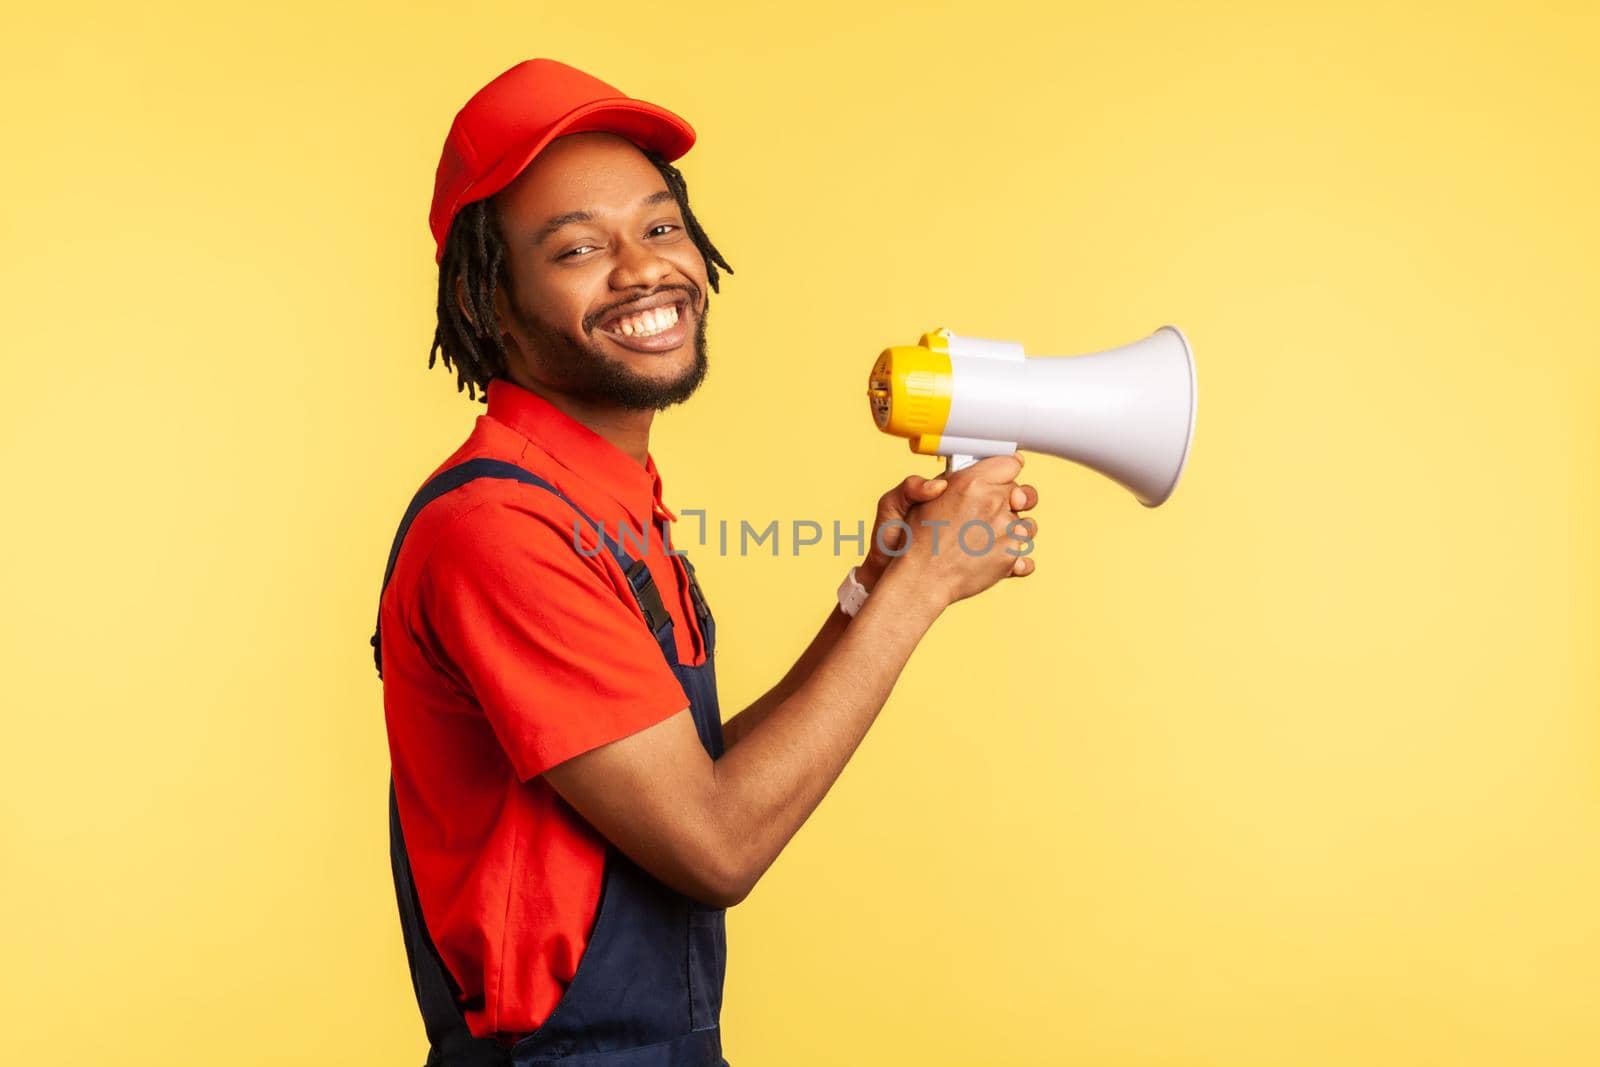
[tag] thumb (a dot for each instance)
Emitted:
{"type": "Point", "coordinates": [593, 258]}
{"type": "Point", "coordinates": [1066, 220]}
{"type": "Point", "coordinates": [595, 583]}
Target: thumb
{"type": "Point", "coordinates": [914, 490]}
{"type": "Point", "coordinates": [896, 504]}
{"type": "Point", "coordinates": [927, 489]}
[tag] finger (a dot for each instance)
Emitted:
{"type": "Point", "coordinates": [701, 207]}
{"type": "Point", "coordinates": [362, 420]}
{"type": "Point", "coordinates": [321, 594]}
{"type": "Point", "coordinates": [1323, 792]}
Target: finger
{"type": "Point", "coordinates": [1023, 529]}
{"type": "Point", "coordinates": [1024, 497]}
{"type": "Point", "coordinates": [897, 492]}
{"type": "Point", "coordinates": [1021, 568]}
{"type": "Point", "coordinates": [913, 489]}
{"type": "Point", "coordinates": [896, 502]}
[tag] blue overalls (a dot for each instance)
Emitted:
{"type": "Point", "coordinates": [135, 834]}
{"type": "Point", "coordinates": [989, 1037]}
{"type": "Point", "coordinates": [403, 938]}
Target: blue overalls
{"type": "Point", "coordinates": [648, 988]}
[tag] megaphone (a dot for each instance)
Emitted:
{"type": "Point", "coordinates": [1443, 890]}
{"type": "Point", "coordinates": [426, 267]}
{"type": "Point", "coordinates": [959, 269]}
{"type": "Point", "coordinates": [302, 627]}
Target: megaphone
{"type": "Point", "coordinates": [1126, 412]}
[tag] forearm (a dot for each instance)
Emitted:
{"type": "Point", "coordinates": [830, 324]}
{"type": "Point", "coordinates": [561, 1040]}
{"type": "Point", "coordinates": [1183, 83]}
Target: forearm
{"type": "Point", "coordinates": [789, 756]}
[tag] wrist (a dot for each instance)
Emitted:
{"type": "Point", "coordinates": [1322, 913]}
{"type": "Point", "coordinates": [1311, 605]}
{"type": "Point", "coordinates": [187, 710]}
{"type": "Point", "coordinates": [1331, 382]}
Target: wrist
{"type": "Point", "coordinates": [909, 591]}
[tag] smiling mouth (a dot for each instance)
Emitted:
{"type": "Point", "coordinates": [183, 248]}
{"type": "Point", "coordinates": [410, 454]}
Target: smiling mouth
{"type": "Point", "coordinates": [657, 329]}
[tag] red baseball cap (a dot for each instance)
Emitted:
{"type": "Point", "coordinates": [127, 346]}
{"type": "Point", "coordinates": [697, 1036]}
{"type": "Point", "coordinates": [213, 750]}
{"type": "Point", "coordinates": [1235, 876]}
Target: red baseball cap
{"type": "Point", "coordinates": [510, 120]}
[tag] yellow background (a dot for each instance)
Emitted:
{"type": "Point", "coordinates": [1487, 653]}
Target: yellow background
{"type": "Point", "coordinates": [1300, 768]}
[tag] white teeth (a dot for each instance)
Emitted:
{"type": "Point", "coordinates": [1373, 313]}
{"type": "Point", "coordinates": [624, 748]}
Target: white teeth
{"type": "Point", "coordinates": [650, 322]}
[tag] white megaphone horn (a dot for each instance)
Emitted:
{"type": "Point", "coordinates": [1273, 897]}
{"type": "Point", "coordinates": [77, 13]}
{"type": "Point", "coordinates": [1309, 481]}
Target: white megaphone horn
{"type": "Point", "coordinates": [1126, 412]}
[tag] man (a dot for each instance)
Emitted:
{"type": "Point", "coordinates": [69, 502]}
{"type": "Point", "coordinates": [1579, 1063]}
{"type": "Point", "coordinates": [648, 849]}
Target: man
{"type": "Point", "coordinates": [569, 815]}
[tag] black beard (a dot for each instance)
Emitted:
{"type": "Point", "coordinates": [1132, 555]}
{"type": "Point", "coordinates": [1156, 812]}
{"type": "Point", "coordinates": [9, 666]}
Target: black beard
{"type": "Point", "coordinates": [586, 373]}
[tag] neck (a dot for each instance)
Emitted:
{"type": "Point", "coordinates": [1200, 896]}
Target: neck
{"type": "Point", "coordinates": [628, 429]}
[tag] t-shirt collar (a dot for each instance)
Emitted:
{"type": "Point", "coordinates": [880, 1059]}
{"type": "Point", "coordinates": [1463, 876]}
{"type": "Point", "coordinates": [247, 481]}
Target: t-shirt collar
{"type": "Point", "coordinates": [580, 450]}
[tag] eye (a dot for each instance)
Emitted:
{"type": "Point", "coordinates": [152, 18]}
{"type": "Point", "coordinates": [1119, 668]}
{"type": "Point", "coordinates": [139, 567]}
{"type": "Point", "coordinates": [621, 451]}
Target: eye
{"type": "Point", "coordinates": [663, 226]}
{"type": "Point", "coordinates": [574, 251]}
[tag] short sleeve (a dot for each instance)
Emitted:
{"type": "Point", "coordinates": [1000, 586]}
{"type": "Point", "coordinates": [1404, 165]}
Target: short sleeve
{"type": "Point", "coordinates": [539, 632]}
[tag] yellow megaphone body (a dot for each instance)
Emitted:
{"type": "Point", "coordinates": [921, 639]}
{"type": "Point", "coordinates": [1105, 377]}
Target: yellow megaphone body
{"type": "Point", "coordinates": [1126, 412]}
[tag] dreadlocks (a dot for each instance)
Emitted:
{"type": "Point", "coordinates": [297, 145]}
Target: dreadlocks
{"type": "Point", "coordinates": [475, 254]}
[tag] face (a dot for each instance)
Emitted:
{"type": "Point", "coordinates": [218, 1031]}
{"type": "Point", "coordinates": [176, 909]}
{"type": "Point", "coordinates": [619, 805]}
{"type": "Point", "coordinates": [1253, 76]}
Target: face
{"type": "Point", "coordinates": [607, 302]}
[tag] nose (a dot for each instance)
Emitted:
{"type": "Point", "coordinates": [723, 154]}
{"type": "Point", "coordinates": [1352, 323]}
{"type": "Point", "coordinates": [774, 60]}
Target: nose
{"type": "Point", "coordinates": [638, 265]}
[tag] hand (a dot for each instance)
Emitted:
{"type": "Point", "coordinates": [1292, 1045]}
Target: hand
{"type": "Point", "coordinates": [969, 535]}
{"type": "Point", "coordinates": [894, 506]}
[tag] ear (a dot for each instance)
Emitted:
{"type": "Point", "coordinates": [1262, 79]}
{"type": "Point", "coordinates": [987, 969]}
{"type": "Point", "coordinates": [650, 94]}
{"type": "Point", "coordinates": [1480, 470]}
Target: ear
{"type": "Point", "coordinates": [501, 310]}
{"type": "Point", "coordinates": [502, 315]}
{"type": "Point", "coordinates": [462, 302]}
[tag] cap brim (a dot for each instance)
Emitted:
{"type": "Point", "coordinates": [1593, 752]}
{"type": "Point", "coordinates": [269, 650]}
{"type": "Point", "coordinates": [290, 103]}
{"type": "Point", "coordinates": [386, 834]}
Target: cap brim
{"type": "Point", "coordinates": [649, 127]}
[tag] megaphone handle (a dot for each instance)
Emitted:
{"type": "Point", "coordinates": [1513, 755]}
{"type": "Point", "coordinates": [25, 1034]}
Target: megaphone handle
{"type": "Point", "coordinates": [958, 461]}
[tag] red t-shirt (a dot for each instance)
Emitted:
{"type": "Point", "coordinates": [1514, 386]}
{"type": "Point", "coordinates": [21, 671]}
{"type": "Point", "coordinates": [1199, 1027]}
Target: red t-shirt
{"type": "Point", "coordinates": [506, 650]}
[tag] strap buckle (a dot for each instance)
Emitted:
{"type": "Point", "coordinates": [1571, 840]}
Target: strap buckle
{"type": "Point", "coordinates": [649, 597]}
{"type": "Point", "coordinates": [702, 610]}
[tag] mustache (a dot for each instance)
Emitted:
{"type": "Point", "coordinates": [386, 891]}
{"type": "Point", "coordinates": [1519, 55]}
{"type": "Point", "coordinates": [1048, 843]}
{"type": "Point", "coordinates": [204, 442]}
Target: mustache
{"type": "Point", "coordinates": [691, 290]}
